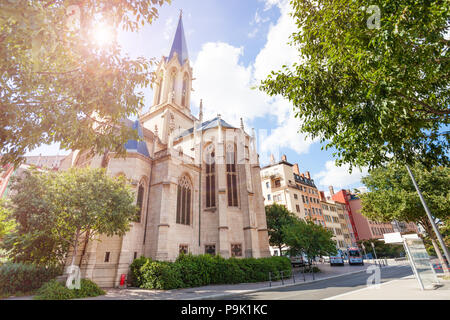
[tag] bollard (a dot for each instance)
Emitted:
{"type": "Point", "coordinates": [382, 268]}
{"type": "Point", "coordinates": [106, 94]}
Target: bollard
{"type": "Point", "coordinates": [293, 275]}
{"type": "Point", "coordinates": [312, 270]}
{"type": "Point", "coordinates": [303, 272]}
{"type": "Point", "coordinates": [282, 280]}
{"type": "Point", "coordinates": [270, 279]}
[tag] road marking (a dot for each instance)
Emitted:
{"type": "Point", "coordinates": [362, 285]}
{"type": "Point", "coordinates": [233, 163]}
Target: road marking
{"type": "Point", "coordinates": [365, 288]}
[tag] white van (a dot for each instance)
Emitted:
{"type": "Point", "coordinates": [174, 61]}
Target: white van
{"type": "Point", "coordinates": [338, 259]}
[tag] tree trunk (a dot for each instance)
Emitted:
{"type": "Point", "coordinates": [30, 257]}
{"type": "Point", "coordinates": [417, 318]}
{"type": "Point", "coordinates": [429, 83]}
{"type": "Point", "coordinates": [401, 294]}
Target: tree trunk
{"type": "Point", "coordinates": [432, 235]}
{"type": "Point", "coordinates": [279, 247]}
{"type": "Point", "coordinates": [440, 256]}
{"type": "Point", "coordinates": [75, 248]}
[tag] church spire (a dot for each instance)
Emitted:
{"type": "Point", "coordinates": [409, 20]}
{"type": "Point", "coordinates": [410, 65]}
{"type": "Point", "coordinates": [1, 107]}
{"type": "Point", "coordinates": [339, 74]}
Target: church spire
{"type": "Point", "coordinates": [179, 42]}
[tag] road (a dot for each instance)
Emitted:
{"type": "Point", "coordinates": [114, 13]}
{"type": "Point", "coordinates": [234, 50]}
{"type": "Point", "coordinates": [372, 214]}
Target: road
{"type": "Point", "coordinates": [324, 288]}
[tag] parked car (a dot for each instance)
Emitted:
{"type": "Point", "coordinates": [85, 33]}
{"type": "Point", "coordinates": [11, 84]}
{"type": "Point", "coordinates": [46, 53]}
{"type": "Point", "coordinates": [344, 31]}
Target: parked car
{"type": "Point", "coordinates": [298, 260]}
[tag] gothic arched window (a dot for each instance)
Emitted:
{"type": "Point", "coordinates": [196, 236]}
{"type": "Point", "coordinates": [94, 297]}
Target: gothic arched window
{"type": "Point", "coordinates": [232, 175]}
{"type": "Point", "coordinates": [140, 202]}
{"type": "Point", "coordinates": [210, 167]}
{"type": "Point", "coordinates": [184, 200]}
{"type": "Point", "coordinates": [184, 92]}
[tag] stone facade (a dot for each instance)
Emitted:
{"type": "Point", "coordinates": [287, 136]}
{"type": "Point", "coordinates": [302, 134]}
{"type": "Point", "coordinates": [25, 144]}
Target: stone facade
{"type": "Point", "coordinates": [172, 166]}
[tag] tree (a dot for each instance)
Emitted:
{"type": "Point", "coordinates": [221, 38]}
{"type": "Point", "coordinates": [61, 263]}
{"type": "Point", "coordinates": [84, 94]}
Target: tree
{"type": "Point", "coordinates": [6, 224]}
{"type": "Point", "coordinates": [309, 238]}
{"type": "Point", "coordinates": [54, 211]}
{"type": "Point", "coordinates": [371, 79]}
{"type": "Point", "coordinates": [383, 250]}
{"type": "Point", "coordinates": [60, 83]}
{"type": "Point", "coordinates": [278, 216]}
{"type": "Point", "coordinates": [392, 196]}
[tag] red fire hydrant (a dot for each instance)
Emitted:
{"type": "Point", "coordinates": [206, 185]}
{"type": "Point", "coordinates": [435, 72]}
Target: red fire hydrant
{"type": "Point", "coordinates": [122, 280]}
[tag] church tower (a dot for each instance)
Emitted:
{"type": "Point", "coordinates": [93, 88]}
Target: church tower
{"type": "Point", "coordinates": [172, 88]}
{"type": "Point", "coordinates": [174, 74]}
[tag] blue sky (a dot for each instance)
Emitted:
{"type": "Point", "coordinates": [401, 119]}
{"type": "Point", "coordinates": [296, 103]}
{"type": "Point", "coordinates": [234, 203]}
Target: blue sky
{"type": "Point", "coordinates": [232, 45]}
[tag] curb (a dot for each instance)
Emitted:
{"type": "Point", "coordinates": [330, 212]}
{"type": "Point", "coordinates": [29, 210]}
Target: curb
{"type": "Point", "coordinates": [221, 295]}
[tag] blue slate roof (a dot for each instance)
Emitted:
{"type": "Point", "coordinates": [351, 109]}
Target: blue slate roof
{"type": "Point", "coordinates": [179, 44]}
{"type": "Point", "coordinates": [134, 145]}
{"type": "Point", "coordinates": [214, 123]}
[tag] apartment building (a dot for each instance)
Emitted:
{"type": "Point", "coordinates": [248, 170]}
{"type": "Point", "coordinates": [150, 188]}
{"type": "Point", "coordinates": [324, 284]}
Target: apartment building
{"type": "Point", "coordinates": [283, 183]}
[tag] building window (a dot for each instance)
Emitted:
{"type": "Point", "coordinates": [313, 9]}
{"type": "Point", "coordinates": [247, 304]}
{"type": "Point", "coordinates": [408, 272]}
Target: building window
{"type": "Point", "coordinates": [210, 179]}
{"type": "Point", "coordinates": [184, 249]}
{"type": "Point", "coordinates": [232, 175]}
{"type": "Point", "coordinates": [295, 196]}
{"type": "Point", "coordinates": [135, 255]}
{"type": "Point", "coordinates": [277, 183]}
{"type": "Point", "coordinates": [107, 256]}
{"type": "Point", "coordinates": [236, 250]}
{"type": "Point", "coordinates": [268, 197]}
{"type": "Point", "coordinates": [297, 207]}
{"type": "Point", "coordinates": [139, 202]}
{"type": "Point", "coordinates": [267, 185]}
{"type": "Point", "coordinates": [210, 249]}
{"type": "Point", "coordinates": [184, 201]}
{"type": "Point", "coordinates": [303, 198]}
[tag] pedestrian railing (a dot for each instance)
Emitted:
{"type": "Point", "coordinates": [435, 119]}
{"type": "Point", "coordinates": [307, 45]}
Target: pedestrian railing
{"type": "Point", "coordinates": [302, 273]}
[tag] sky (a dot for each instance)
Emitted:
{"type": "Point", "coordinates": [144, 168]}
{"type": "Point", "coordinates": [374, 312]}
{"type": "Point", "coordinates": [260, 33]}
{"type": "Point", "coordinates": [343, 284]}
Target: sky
{"type": "Point", "coordinates": [233, 45]}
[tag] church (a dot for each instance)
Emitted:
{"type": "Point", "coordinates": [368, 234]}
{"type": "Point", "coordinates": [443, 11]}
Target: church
{"type": "Point", "coordinates": [197, 182]}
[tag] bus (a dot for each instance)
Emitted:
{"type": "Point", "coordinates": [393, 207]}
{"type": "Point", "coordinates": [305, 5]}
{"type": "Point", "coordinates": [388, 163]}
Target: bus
{"type": "Point", "coordinates": [354, 256]}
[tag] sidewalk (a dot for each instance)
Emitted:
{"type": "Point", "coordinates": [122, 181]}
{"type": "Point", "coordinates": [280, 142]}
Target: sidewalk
{"type": "Point", "coordinates": [406, 288]}
{"type": "Point", "coordinates": [216, 291]}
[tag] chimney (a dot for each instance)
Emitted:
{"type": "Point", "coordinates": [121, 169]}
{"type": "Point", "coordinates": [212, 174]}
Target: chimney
{"type": "Point", "coordinates": [308, 175]}
{"type": "Point", "coordinates": [283, 158]}
{"type": "Point", "coordinates": [296, 171]}
{"type": "Point", "coordinates": [272, 159]}
{"type": "Point", "coordinates": [303, 175]}
{"type": "Point", "coordinates": [331, 190]}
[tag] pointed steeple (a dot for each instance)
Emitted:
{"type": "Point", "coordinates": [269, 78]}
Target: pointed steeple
{"type": "Point", "coordinates": [179, 43]}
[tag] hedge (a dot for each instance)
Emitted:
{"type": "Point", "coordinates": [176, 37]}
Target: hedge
{"type": "Point", "coordinates": [195, 271]}
{"type": "Point", "coordinates": [24, 277]}
{"type": "Point", "coordinates": [54, 290]}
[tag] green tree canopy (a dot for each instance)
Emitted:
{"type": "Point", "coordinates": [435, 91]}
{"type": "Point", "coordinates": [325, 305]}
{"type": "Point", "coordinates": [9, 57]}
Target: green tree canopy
{"type": "Point", "coordinates": [309, 238]}
{"type": "Point", "coordinates": [54, 211]}
{"type": "Point", "coordinates": [58, 84]}
{"type": "Point", "coordinates": [278, 216]}
{"type": "Point", "coordinates": [6, 223]}
{"type": "Point", "coordinates": [391, 195]}
{"type": "Point", "coordinates": [371, 79]}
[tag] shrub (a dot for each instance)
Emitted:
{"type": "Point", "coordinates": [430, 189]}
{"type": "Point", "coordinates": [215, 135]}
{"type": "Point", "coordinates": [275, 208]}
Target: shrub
{"type": "Point", "coordinates": [160, 275]}
{"type": "Point", "coordinates": [193, 271]}
{"type": "Point", "coordinates": [54, 290]}
{"type": "Point", "coordinates": [135, 274]}
{"type": "Point", "coordinates": [23, 277]}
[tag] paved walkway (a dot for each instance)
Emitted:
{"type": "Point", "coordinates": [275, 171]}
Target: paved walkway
{"type": "Point", "coordinates": [406, 288]}
{"type": "Point", "coordinates": [216, 291]}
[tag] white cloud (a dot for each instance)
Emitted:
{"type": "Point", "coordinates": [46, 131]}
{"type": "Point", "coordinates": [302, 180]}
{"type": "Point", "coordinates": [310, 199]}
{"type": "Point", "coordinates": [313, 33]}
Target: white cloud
{"type": "Point", "coordinates": [277, 52]}
{"type": "Point", "coordinates": [225, 84]}
{"type": "Point", "coordinates": [253, 33]}
{"type": "Point", "coordinates": [169, 28]}
{"type": "Point", "coordinates": [339, 176]}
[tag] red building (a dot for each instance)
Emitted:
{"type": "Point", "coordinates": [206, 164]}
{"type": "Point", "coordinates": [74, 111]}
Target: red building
{"type": "Point", "coordinates": [363, 228]}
